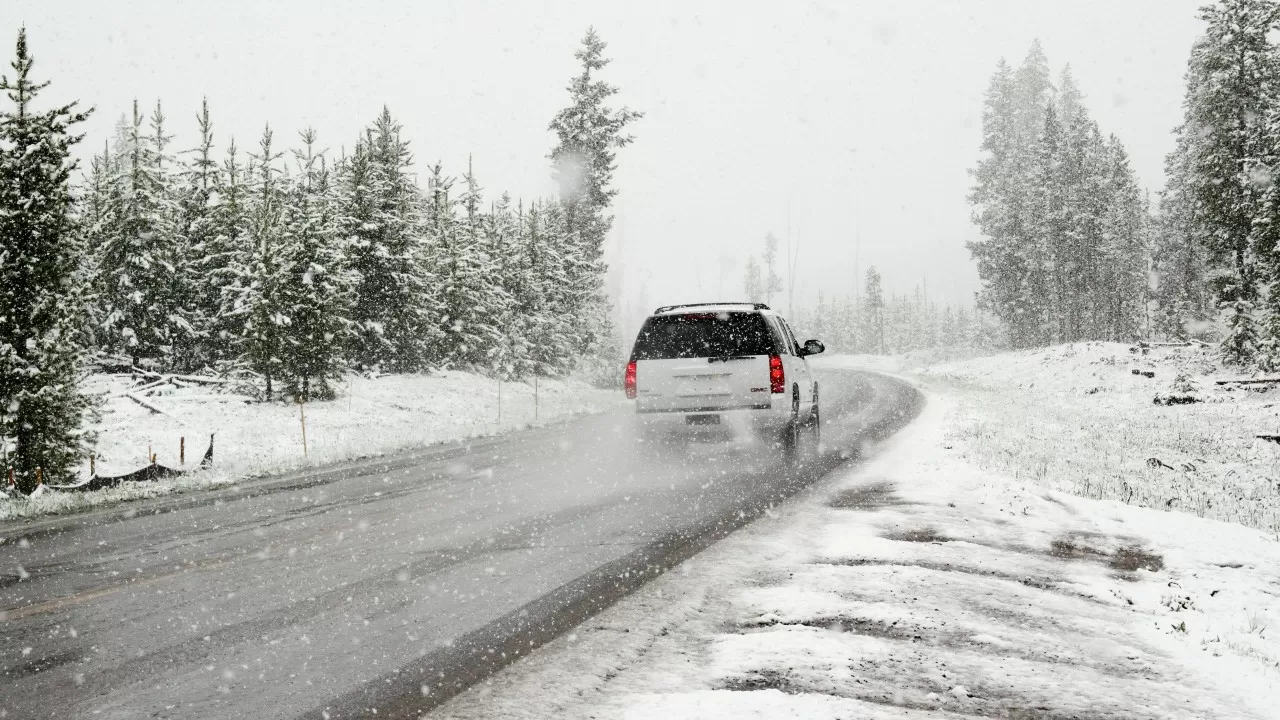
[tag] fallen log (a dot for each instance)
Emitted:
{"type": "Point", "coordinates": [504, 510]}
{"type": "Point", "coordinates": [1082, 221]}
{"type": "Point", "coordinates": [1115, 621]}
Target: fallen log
{"type": "Point", "coordinates": [150, 406]}
{"type": "Point", "coordinates": [211, 398]}
{"type": "Point", "coordinates": [1248, 381]}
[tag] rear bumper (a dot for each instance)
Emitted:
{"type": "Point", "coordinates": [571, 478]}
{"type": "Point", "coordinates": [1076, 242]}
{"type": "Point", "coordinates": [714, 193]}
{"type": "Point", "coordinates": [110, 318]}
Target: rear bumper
{"type": "Point", "coordinates": [737, 421]}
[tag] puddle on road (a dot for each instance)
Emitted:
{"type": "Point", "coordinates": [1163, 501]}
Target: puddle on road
{"type": "Point", "coordinates": [917, 535]}
{"type": "Point", "coordinates": [870, 496]}
{"type": "Point", "coordinates": [1128, 557]}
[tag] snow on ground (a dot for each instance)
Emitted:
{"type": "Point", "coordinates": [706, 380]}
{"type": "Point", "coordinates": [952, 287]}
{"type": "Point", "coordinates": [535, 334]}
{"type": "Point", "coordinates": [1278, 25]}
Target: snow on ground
{"type": "Point", "coordinates": [1078, 419]}
{"type": "Point", "coordinates": [920, 584]}
{"type": "Point", "coordinates": [370, 417]}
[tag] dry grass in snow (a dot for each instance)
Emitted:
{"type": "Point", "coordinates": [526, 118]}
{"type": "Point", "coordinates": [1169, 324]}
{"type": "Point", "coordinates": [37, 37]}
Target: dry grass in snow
{"type": "Point", "coordinates": [1078, 419]}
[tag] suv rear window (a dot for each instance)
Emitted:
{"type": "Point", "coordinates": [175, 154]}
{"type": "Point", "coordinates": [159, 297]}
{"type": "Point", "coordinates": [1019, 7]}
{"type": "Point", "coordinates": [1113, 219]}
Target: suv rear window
{"type": "Point", "coordinates": [696, 335]}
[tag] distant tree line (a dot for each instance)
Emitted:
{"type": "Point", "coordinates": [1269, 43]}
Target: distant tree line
{"type": "Point", "coordinates": [295, 265]}
{"type": "Point", "coordinates": [875, 324]}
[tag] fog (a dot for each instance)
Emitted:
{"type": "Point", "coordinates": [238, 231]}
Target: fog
{"type": "Point", "coordinates": [849, 125]}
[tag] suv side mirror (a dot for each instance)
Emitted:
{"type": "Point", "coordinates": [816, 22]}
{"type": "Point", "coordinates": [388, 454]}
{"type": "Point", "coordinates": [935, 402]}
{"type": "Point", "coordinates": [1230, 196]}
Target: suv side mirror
{"type": "Point", "coordinates": [813, 347]}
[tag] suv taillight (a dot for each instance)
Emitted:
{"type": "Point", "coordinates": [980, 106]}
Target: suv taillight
{"type": "Point", "coordinates": [629, 381]}
{"type": "Point", "coordinates": [777, 378]}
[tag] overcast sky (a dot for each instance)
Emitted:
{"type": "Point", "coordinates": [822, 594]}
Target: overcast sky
{"type": "Point", "coordinates": [862, 118]}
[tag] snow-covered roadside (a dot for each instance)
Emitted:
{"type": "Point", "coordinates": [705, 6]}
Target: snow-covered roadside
{"type": "Point", "coordinates": [370, 417]}
{"type": "Point", "coordinates": [1082, 418]}
{"type": "Point", "coordinates": [918, 585]}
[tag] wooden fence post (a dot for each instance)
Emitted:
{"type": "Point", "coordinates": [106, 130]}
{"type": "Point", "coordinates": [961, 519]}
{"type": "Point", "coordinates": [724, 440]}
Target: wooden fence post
{"type": "Point", "coordinates": [303, 415]}
{"type": "Point", "coordinates": [182, 450]}
{"type": "Point", "coordinates": [93, 470]}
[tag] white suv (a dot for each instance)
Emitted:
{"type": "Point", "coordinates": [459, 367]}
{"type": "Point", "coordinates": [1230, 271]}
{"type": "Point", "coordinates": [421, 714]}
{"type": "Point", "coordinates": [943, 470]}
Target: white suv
{"type": "Point", "coordinates": [735, 365]}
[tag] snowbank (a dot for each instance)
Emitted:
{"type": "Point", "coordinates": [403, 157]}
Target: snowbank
{"type": "Point", "coordinates": [370, 417]}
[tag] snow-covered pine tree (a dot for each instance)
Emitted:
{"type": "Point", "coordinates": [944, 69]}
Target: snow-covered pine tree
{"type": "Point", "coordinates": [753, 283]}
{"type": "Point", "coordinates": [381, 226]}
{"type": "Point", "coordinates": [202, 243]}
{"type": "Point", "coordinates": [1124, 256]}
{"type": "Point", "coordinates": [95, 217]}
{"type": "Point", "coordinates": [1183, 302]}
{"type": "Point", "coordinates": [474, 325]}
{"type": "Point", "coordinates": [589, 133]}
{"type": "Point", "coordinates": [771, 282]}
{"type": "Point", "coordinates": [176, 294]}
{"type": "Point", "coordinates": [256, 308]}
{"type": "Point", "coordinates": [997, 195]}
{"type": "Point", "coordinates": [42, 407]}
{"type": "Point", "coordinates": [223, 271]}
{"type": "Point", "coordinates": [314, 286]}
{"type": "Point", "coordinates": [551, 331]}
{"type": "Point", "coordinates": [143, 305]}
{"type": "Point", "coordinates": [501, 245]}
{"type": "Point", "coordinates": [873, 305]}
{"type": "Point", "coordinates": [458, 274]}
{"type": "Point", "coordinates": [1233, 76]}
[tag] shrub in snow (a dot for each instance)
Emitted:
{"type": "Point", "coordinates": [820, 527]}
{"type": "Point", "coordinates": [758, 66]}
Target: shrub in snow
{"type": "Point", "coordinates": [1182, 391]}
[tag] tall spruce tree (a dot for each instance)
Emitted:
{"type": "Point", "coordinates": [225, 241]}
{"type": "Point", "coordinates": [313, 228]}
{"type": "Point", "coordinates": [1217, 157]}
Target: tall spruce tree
{"type": "Point", "coordinates": [589, 133]}
{"type": "Point", "coordinates": [42, 407]}
{"type": "Point", "coordinates": [143, 303]}
{"type": "Point", "coordinates": [380, 225]}
{"type": "Point", "coordinates": [873, 322]}
{"type": "Point", "coordinates": [202, 243]}
{"type": "Point", "coordinates": [1233, 76]}
{"type": "Point", "coordinates": [314, 286]}
{"type": "Point", "coordinates": [257, 308]}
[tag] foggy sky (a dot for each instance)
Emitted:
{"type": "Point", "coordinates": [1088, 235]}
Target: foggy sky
{"type": "Point", "coordinates": [860, 118]}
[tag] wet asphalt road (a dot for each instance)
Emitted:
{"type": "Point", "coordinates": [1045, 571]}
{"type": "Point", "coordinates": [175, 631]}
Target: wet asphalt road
{"type": "Point", "coordinates": [388, 584]}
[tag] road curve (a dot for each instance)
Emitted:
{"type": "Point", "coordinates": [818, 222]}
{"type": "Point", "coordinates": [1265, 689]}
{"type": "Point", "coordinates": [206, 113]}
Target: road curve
{"type": "Point", "coordinates": [390, 584]}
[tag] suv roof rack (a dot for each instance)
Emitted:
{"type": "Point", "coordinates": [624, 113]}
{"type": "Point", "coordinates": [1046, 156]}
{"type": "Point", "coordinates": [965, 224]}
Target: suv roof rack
{"type": "Point", "coordinates": [666, 308]}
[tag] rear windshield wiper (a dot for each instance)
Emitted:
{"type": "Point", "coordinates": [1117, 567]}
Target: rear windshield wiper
{"type": "Point", "coordinates": [727, 358]}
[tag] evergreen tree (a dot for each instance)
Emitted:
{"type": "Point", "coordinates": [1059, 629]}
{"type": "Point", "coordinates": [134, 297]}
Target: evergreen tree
{"type": "Point", "coordinates": [771, 282]}
{"type": "Point", "coordinates": [225, 262]}
{"type": "Point", "coordinates": [873, 309]}
{"type": "Point", "coordinates": [479, 324]}
{"type": "Point", "coordinates": [198, 234]}
{"type": "Point", "coordinates": [752, 282]}
{"type": "Point", "coordinates": [258, 306]}
{"type": "Point", "coordinates": [314, 287]}
{"type": "Point", "coordinates": [142, 297]}
{"type": "Point", "coordinates": [459, 274]}
{"type": "Point", "coordinates": [510, 354]}
{"type": "Point", "coordinates": [1064, 250]}
{"type": "Point", "coordinates": [41, 339]}
{"type": "Point", "coordinates": [589, 133]}
{"type": "Point", "coordinates": [1231, 85]}
{"type": "Point", "coordinates": [549, 330]}
{"type": "Point", "coordinates": [379, 219]}
{"type": "Point", "coordinates": [1180, 264]}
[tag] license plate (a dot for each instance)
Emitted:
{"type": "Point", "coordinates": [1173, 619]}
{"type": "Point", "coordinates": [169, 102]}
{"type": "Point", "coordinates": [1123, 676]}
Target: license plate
{"type": "Point", "coordinates": [702, 419]}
